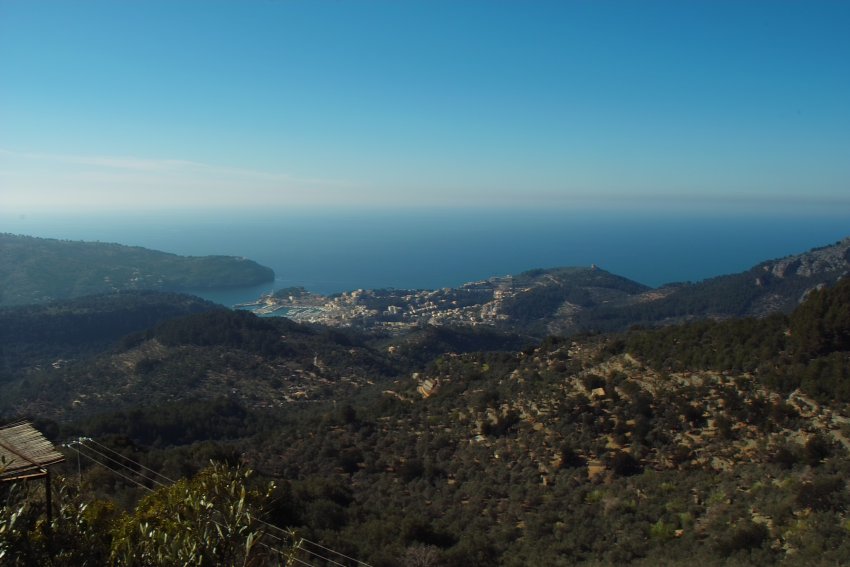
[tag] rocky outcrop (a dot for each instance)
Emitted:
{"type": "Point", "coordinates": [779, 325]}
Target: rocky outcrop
{"type": "Point", "coordinates": [834, 258]}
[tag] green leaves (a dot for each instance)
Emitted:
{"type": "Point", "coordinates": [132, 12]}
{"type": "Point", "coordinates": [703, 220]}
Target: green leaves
{"type": "Point", "coordinates": [209, 520]}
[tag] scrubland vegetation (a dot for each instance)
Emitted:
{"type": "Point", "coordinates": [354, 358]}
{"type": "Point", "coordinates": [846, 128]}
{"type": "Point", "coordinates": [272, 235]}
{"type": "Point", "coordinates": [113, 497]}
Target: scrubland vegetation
{"type": "Point", "coordinates": [723, 442]}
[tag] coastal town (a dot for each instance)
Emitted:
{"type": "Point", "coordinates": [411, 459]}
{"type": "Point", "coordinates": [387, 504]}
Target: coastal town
{"type": "Point", "coordinates": [536, 301]}
{"type": "Point", "coordinates": [394, 310]}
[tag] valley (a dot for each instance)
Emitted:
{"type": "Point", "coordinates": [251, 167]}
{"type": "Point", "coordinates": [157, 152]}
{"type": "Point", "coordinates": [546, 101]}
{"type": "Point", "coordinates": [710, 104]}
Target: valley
{"type": "Point", "coordinates": [455, 427]}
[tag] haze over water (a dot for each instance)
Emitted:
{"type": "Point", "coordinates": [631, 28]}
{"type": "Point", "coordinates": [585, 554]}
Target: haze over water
{"type": "Point", "coordinates": [334, 252]}
{"type": "Point", "coordinates": [549, 105]}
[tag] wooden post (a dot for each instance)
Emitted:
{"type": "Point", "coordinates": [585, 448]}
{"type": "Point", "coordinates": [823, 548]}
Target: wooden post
{"type": "Point", "coordinates": [48, 497]}
{"type": "Point", "coordinates": [48, 505]}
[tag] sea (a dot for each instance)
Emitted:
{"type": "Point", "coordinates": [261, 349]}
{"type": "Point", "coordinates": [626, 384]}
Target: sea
{"type": "Point", "coordinates": [334, 251]}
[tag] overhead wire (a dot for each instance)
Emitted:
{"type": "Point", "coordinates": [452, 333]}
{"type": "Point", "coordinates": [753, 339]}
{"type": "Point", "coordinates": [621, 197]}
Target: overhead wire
{"type": "Point", "coordinates": [336, 552]}
{"type": "Point", "coordinates": [288, 536]}
{"type": "Point", "coordinates": [325, 559]}
{"type": "Point", "coordinates": [148, 488]}
{"type": "Point", "coordinates": [127, 466]}
{"type": "Point", "coordinates": [120, 464]}
{"type": "Point", "coordinates": [126, 463]}
{"type": "Point", "coordinates": [171, 481]}
{"type": "Point", "coordinates": [116, 472]}
{"type": "Point", "coordinates": [138, 464]}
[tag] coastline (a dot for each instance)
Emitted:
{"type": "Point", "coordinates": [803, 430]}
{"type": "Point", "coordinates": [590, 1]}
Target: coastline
{"type": "Point", "coordinates": [330, 254]}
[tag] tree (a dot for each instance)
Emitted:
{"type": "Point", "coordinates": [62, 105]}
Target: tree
{"type": "Point", "coordinates": [212, 519]}
{"type": "Point", "coordinates": [78, 534]}
{"type": "Point", "coordinates": [209, 520]}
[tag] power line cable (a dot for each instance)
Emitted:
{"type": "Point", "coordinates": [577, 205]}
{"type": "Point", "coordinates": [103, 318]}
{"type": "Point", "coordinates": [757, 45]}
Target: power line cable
{"type": "Point", "coordinates": [138, 464]}
{"type": "Point", "coordinates": [120, 464]}
{"type": "Point", "coordinates": [149, 489]}
{"type": "Point", "coordinates": [110, 469]}
{"type": "Point", "coordinates": [323, 558]}
{"type": "Point", "coordinates": [287, 536]}
{"type": "Point", "coordinates": [336, 552]}
{"type": "Point", "coordinates": [314, 553]}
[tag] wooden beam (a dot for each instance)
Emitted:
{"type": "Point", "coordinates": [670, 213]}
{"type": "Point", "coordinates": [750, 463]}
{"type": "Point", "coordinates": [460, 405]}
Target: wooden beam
{"type": "Point", "coordinates": [23, 477]}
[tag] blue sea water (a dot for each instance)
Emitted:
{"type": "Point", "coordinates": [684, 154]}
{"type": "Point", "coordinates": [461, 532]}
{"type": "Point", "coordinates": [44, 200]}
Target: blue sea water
{"type": "Point", "coordinates": [329, 252]}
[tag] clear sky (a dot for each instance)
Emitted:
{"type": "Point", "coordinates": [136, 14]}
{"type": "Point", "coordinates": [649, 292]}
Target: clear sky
{"type": "Point", "coordinates": [144, 104]}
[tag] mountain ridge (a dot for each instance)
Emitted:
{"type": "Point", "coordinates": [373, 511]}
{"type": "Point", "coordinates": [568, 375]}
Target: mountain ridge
{"type": "Point", "coordinates": [566, 300]}
{"type": "Point", "coordinates": [38, 270]}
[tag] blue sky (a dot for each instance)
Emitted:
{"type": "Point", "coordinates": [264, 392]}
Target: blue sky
{"type": "Point", "coordinates": [231, 105]}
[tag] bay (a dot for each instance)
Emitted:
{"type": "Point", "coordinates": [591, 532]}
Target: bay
{"type": "Point", "coordinates": [334, 251]}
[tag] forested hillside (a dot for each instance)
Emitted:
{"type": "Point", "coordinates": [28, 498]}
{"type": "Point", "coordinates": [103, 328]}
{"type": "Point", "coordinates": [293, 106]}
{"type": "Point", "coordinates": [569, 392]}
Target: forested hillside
{"type": "Point", "coordinates": [38, 270]}
{"type": "Point", "coordinates": [33, 337]}
{"type": "Point", "coordinates": [774, 286]}
{"type": "Point", "coordinates": [723, 442]}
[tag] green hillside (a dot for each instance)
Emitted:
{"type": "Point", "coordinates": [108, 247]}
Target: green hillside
{"type": "Point", "coordinates": [33, 337]}
{"type": "Point", "coordinates": [38, 270]}
{"type": "Point", "coordinates": [723, 442]}
{"type": "Point", "coordinates": [775, 286]}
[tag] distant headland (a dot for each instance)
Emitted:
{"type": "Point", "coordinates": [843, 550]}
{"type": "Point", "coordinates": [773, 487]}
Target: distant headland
{"type": "Point", "coordinates": [38, 270]}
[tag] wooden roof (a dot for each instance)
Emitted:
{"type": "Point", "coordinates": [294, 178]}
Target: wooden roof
{"type": "Point", "coordinates": [24, 452]}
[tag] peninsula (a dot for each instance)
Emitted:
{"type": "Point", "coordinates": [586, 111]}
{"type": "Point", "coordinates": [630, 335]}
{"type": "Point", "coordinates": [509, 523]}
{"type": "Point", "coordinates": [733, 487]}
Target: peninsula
{"type": "Point", "coordinates": [39, 270]}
